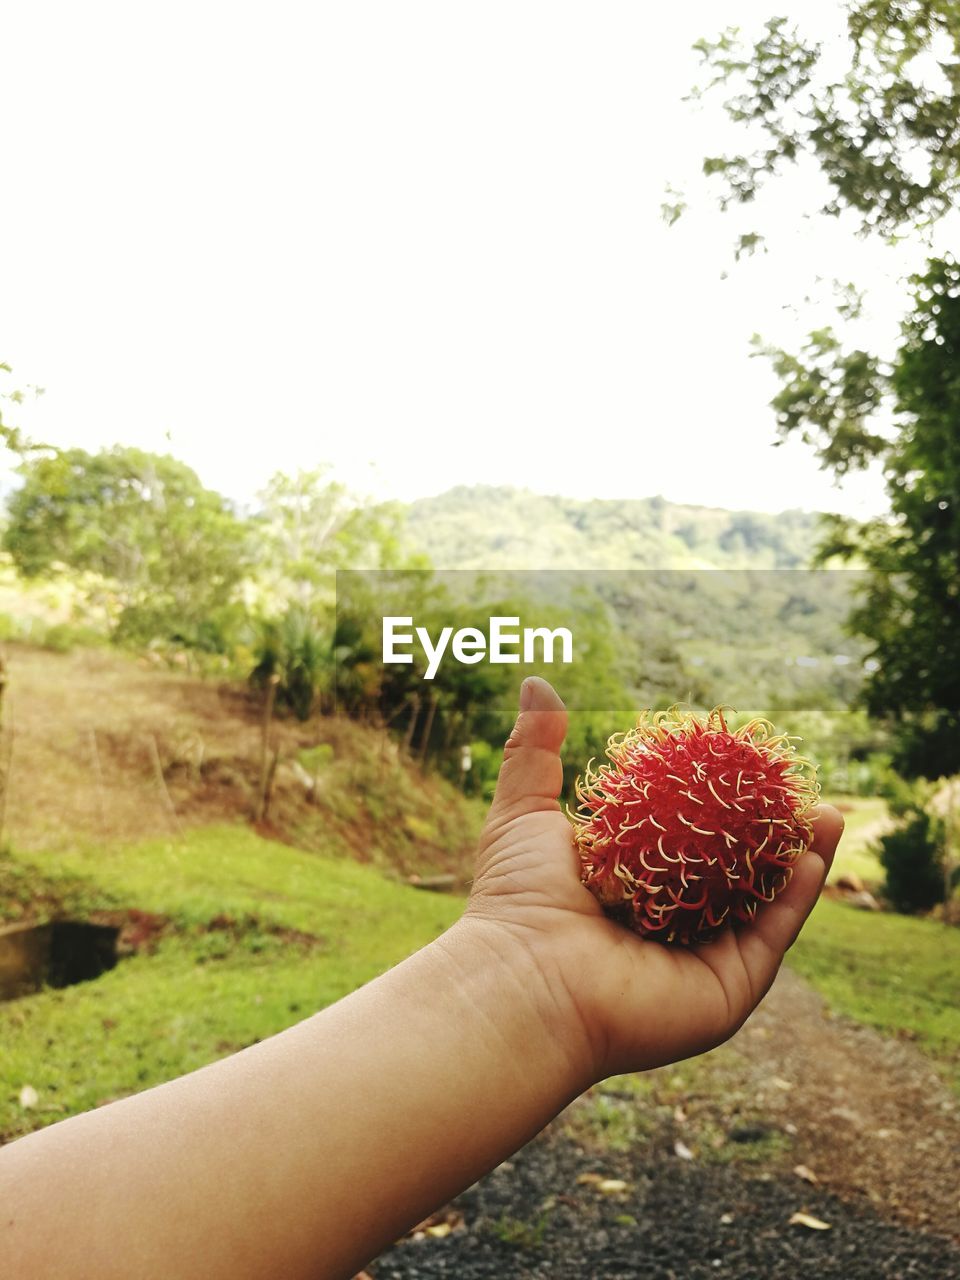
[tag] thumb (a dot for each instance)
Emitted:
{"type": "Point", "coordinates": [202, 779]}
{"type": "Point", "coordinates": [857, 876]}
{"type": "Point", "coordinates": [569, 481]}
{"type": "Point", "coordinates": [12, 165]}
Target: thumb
{"type": "Point", "coordinates": [531, 772]}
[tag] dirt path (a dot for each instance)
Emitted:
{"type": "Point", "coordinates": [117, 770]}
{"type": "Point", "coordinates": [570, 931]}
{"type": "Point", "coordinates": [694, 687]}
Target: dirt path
{"type": "Point", "coordinates": [873, 1118]}
{"type": "Point", "coordinates": [707, 1154]}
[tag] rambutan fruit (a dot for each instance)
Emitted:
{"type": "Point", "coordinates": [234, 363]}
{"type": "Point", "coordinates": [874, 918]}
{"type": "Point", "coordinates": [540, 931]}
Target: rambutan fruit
{"type": "Point", "coordinates": [692, 823]}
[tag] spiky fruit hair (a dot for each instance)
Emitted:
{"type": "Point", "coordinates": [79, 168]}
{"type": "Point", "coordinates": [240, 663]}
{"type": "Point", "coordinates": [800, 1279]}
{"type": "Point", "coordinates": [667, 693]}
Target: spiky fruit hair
{"type": "Point", "coordinates": [692, 823]}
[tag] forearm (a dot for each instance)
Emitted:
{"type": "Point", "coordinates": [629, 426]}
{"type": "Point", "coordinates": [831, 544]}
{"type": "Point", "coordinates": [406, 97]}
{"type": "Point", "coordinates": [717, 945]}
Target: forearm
{"type": "Point", "coordinates": [307, 1154]}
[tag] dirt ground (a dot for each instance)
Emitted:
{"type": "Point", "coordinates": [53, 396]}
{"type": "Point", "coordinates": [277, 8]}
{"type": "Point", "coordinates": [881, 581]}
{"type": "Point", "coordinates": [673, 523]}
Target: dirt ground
{"type": "Point", "coordinates": [81, 727]}
{"type": "Point", "coordinates": [87, 735]}
{"type": "Point", "coordinates": [800, 1113]}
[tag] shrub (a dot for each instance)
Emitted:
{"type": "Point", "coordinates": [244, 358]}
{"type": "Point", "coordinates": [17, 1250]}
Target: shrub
{"type": "Point", "coordinates": [295, 650]}
{"type": "Point", "coordinates": [912, 857]}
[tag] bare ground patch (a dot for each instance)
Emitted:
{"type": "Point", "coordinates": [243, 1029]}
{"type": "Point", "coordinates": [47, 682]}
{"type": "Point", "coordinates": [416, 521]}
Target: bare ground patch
{"type": "Point", "coordinates": [87, 729]}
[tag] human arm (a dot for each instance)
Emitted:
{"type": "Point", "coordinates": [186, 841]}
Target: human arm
{"type": "Point", "coordinates": [307, 1154]}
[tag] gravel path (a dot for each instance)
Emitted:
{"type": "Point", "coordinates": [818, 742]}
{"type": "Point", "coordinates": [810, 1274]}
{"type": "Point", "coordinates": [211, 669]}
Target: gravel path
{"type": "Point", "coordinates": [801, 1113]}
{"type": "Point", "coordinates": [675, 1221]}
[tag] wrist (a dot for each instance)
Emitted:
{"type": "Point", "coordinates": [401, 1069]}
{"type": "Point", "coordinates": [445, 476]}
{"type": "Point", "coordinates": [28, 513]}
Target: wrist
{"type": "Point", "coordinates": [510, 977]}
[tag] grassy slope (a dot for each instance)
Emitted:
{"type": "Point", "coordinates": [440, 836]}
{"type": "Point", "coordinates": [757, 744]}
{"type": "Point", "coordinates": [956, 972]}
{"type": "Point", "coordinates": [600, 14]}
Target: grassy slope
{"type": "Point", "coordinates": [896, 973]}
{"type": "Point", "coordinates": [203, 993]}
{"type": "Point", "coordinates": [206, 992]}
{"type": "Point", "coordinates": [865, 818]}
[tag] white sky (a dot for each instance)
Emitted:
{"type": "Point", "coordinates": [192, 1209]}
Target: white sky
{"type": "Point", "coordinates": [425, 236]}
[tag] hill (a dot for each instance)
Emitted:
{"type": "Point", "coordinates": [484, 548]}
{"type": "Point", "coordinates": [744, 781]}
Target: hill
{"type": "Point", "coordinates": [709, 605]}
{"type": "Point", "coordinates": [497, 527]}
{"type": "Point", "coordinates": [91, 732]}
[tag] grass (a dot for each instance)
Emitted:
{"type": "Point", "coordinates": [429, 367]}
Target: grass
{"type": "Point", "coordinates": [520, 1234]}
{"type": "Point", "coordinates": [865, 818]}
{"type": "Point", "coordinates": [613, 1122]}
{"type": "Point", "coordinates": [896, 973]}
{"type": "Point", "coordinates": [308, 928]}
{"type": "Point", "coordinates": [203, 993]}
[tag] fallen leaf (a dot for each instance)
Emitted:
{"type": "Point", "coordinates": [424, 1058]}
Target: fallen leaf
{"type": "Point", "coordinates": [28, 1096]}
{"type": "Point", "coordinates": [780, 1083]}
{"type": "Point", "coordinates": [806, 1174]}
{"type": "Point", "coordinates": [726, 1218]}
{"type": "Point", "coordinates": [590, 1179]}
{"type": "Point", "coordinates": [613, 1186]}
{"type": "Point", "coordinates": [438, 1225]}
{"type": "Point", "coordinates": [806, 1220]}
{"type": "Point", "coordinates": [679, 1115]}
{"type": "Point", "coordinates": [682, 1150]}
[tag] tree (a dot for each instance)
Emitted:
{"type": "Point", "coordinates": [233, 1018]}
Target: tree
{"type": "Point", "coordinates": [171, 551]}
{"type": "Point", "coordinates": [307, 527]}
{"type": "Point", "coordinates": [12, 437]}
{"type": "Point", "coordinates": [310, 525]}
{"type": "Point", "coordinates": [886, 136]}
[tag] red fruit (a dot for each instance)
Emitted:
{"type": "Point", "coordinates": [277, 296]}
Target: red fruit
{"type": "Point", "coordinates": [692, 823]}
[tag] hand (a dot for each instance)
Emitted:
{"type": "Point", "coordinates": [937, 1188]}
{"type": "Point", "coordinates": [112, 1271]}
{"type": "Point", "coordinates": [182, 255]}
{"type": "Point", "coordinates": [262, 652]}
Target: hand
{"type": "Point", "coordinates": [620, 1003]}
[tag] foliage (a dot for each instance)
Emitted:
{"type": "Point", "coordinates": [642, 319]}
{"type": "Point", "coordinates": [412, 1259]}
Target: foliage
{"type": "Point", "coordinates": [850, 749]}
{"type": "Point", "coordinates": [12, 437]}
{"type": "Point", "coordinates": [171, 551]}
{"type": "Point", "coordinates": [295, 650]}
{"type": "Point", "coordinates": [438, 718]}
{"type": "Point", "coordinates": [909, 603]}
{"type": "Point", "coordinates": [308, 525]}
{"type": "Point", "coordinates": [912, 859]}
{"type": "Point", "coordinates": [886, 136]}
{"type": "Point", "coordinates": [58, 637]}
{"type": "Point", "coordinates": [499, 527]}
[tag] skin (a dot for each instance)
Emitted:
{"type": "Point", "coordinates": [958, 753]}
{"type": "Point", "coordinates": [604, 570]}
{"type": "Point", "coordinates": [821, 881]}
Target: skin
{"type": "Point", "coordinates": [308, 1154]}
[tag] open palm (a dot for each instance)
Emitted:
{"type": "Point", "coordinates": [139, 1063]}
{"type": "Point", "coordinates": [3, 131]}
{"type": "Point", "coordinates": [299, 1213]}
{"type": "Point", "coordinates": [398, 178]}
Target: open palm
{"type": "Point", "coordinates": [638, 1003]}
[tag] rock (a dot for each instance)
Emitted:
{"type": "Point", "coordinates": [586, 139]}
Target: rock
{"type": "Point", "coordinates": [851, 881]}
{"type": "Point", "coordinates": [864, 900]}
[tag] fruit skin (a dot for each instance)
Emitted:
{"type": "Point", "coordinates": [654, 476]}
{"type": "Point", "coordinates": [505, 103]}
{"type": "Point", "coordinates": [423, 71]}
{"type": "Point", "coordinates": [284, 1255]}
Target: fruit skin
{"type": "Point", "coordinates": [692, 823]}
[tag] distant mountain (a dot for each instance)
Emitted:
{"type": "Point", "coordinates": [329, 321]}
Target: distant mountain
{"type": "Point", "coordinates": [498, 527]}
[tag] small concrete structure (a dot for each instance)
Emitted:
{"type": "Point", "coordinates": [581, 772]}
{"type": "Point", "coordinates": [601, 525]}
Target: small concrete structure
{"type": "Point", "coordinates": [24, 957]}
{"type": "Point", "coordinates": [57, 954]}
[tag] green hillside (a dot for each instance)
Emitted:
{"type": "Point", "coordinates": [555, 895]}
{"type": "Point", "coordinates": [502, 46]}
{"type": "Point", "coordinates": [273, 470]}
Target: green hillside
{"type": "Point", "coordinates": [498, 527]}
{"type": "Point", "coordinates": [707, 605]}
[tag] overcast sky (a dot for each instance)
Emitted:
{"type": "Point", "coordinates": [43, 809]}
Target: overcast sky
{"type": "Point", "coordinates": [419, 241]}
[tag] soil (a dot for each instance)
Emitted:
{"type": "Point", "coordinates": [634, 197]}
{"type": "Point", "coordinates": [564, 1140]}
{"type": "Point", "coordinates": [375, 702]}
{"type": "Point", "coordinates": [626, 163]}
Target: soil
{"type": "Point", "coordinates": [83, 731]}
{"type": "Point", "coordinates": [800, 1113]}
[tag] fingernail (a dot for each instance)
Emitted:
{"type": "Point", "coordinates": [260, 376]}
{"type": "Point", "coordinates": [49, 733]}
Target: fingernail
{"type": "Point", "coordinates": [526, 694]}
